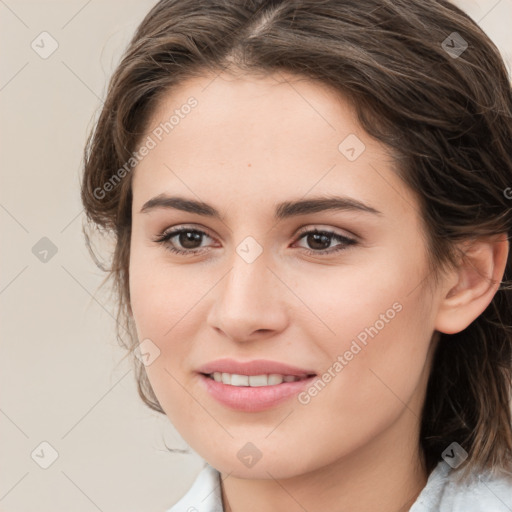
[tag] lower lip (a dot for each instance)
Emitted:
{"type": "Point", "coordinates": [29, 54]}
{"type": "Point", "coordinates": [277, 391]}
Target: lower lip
{"type": "Point", "coordinates": [253, 399]}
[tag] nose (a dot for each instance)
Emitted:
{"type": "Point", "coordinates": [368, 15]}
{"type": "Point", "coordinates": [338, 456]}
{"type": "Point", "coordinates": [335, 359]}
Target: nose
{"type": "Point", "coordinates": [249, 301]}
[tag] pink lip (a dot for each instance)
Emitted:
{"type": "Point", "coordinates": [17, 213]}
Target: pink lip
{"type": "Point", "coordinates": [255, 367]}
{"type": "Point", "coordinates": [253, 399]}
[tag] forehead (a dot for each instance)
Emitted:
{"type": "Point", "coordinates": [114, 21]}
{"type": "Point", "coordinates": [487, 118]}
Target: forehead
{"type": "Point", "coordinates": [248, 136]}
{"type": "Point", "coordinates": [257, 110]}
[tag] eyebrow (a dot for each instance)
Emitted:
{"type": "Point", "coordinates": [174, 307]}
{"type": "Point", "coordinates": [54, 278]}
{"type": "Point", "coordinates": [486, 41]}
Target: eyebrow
{"type": "Point", "coordinates": [282, 211]}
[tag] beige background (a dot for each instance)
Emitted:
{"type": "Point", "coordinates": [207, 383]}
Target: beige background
{"type": "Point", "coordinates": [61, 378]}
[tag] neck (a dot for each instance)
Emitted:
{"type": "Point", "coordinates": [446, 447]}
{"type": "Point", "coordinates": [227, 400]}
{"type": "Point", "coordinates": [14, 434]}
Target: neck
{"type": "Point", "coordinates": [386, 475]}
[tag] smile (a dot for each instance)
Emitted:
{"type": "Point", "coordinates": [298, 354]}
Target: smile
{"type": "Point", "coordinates": [234, 379]}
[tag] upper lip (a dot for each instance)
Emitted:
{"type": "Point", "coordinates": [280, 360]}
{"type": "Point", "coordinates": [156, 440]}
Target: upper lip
{"type": "Point", "coordinates": [254, 367]}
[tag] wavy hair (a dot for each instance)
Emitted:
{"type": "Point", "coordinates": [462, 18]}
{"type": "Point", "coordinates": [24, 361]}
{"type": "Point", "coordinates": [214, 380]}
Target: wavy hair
{"type": "Point", "coordinates": [443, 109]}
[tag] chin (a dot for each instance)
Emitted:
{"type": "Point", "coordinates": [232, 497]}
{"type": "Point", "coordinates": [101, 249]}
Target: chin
{"type": "Point", "coordinates": [278, 466]}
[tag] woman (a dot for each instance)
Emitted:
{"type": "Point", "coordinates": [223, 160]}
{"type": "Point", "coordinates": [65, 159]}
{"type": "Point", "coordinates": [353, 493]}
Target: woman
{"type": "Point", "coordinates": [310, 202]}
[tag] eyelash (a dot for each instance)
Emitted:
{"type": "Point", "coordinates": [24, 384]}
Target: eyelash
{"type": "Point", "coordinates": [165, 239]}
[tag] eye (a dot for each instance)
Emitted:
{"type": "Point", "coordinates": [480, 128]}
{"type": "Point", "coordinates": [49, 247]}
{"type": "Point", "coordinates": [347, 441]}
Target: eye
{"type": "Point", "coordinates": [319, 239]}
{"type": "Point", "coordinates": [190, 239]}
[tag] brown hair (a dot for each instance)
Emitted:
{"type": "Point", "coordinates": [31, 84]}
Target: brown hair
{"type": "Point", "coordinates": [446, 116]}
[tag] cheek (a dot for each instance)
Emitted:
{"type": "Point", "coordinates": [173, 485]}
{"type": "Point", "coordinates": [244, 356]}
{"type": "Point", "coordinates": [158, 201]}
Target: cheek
{"type": "Point", "coordinates": [381, 317]}
{"type": "Point", "coordinates": [378, 358]}
{"type": "Point", "coordinates": [375, 376]}
{"type": "Point", "coordinates": [379, 305]}
{"type": "Point", "coordinates": [166, 301]}
{"type": "Point", "coordinates": [161, 294]}
{"type": "Point", "coordinates": [160, 303]}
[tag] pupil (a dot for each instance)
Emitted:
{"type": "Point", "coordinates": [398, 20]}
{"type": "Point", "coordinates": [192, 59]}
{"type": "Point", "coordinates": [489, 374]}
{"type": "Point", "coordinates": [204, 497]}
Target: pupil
{"type": "Point", "coordinates": [188, 238]}
{"type": "Point", "coordinates": [318, 237]}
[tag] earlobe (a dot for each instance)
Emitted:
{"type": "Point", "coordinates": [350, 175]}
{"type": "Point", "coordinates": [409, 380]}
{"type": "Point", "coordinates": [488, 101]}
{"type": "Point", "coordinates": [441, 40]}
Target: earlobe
{"type": "Point", "coordinates": [477, 279]}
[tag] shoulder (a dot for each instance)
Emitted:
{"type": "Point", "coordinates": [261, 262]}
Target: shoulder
{"type": "Point", "coordinates": [204, 495]}
{"type": "Point", "coordinates": [481, 492]}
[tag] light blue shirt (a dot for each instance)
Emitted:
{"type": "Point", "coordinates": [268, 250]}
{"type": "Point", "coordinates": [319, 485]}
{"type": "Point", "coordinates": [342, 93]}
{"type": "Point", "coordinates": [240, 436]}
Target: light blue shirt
{"type": "Point", "coordinates": [442, 493]}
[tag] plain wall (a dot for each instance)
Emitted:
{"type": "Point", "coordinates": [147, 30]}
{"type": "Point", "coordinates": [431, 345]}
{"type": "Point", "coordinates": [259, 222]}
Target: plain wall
{"type": "Point", "coordinates": [62, 380]}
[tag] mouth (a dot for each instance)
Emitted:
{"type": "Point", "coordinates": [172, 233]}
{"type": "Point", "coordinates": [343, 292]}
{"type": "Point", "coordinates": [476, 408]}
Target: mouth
{"type": "Point", "coordinates": [253, 386]}
{"type": "Point", "coordinates": [254, 381]}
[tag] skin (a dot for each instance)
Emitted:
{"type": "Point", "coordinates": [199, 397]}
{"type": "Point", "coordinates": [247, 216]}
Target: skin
{"type": "Point", "coordinates": [250, 143]}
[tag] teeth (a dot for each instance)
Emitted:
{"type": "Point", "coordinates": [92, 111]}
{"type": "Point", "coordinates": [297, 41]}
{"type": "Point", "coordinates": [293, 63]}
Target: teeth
{"type": "Point", "coordinates": [257, 380]}
{"type": "Point", "coordinates": [234, 379]}
{"type": "Point", "coordinates": [239, 380]}
{"type": "Point", "coordinates": [275, 379]}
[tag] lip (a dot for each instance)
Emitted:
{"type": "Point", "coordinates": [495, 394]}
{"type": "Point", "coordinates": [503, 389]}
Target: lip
{"type": "Point", "coordinates": [253, 399]}
{"type": "Point", "coordinates": [254, 367]}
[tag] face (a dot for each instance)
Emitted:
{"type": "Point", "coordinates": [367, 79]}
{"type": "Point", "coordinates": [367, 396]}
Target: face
{"type": "Point", "coordinates": [302, 256]}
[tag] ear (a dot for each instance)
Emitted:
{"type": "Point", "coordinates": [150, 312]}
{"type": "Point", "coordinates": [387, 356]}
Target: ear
{"type": "Point", "coordinates": [471, 287]}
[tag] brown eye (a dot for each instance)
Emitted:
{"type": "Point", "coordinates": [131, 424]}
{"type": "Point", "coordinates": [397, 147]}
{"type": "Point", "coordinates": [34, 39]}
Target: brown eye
{"type": "Point", "coordinates": [189, 239]}
{"type": "Point", "coordinates": [186, 240]}
{"type": "Point", "coordinates": [319, 241]}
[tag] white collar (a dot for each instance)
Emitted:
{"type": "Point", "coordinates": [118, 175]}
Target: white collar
{"type": "Point", "coordinates": [441, 493]}
{"type": "Point", "coordinates": [204, 495]}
